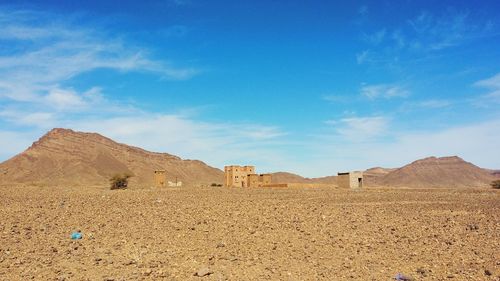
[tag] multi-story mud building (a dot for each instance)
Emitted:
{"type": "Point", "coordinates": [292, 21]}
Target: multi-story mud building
{"type": "Point", "coordinates": [244, 176]}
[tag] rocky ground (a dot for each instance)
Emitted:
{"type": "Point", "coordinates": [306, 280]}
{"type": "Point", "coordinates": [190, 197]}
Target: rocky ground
{"type": "Point", "coordinates": [242, 234]}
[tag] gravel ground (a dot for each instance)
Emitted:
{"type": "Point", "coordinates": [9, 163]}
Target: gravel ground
{"type": "Point", "coordinates": [249, 234]}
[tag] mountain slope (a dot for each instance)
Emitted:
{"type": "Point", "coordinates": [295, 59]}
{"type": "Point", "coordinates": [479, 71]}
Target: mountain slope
{"type": "Point", "coordinates": [437, 172]}
{"type": "Point", "coordinates": [284, 177]}
{"type": "Point", "coordinates": [66, 157]}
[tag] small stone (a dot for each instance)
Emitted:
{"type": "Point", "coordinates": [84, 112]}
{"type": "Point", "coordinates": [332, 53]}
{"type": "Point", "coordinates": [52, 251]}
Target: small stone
{"type": "Point", "coordinates": [204, 271]}
{"type": "Point", "coordinates": [130, 262]}
{"type": "Point", "coordinates": [472, 226]}
{"type": "Point", "coordinates": [487, 272]}
{"type": "Point", "coordinates": [421, 271]}
{"type": "Point", "coordinates": [220, 245]}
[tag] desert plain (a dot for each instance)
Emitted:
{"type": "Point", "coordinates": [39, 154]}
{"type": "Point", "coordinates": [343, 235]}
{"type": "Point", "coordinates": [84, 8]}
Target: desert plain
{"type": "Point", "coordinates": [249, 234]}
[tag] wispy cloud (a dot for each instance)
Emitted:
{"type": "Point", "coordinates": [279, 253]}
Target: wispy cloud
{"type": "Point", "coordinates": [434, 103]}
{"type": "Point", "coordinates": [375, 38]}
{"type": "Point", "coordinates": [363, 57]}
{"type": "Point", "coordinates": [52, 52]}
{"type": "Point", "coordinates": [433, 33]}
{"type": "Point", "coordinates": [35, 87]}
{"type": "Point", "coordinates": [13, 141]}
{"type": "Point", "coordinates": [385, 91]}
{"type": "Point", "coordinates": [363, 10]}
{"type": "Point", "coordinates": [360, 129]}
{"type": "Point", "coordinates": [475, 142]}
{"type": "Point", "coordinates": [430, 105]}
{"type": "Point", "coordinates": [184, 135]}
{"type": "Point", "coordinates": [423, 35]}
{"type": "Point", "coordinates": [181, 2]}
{"type": "Point", "coordinates": [492, 84]}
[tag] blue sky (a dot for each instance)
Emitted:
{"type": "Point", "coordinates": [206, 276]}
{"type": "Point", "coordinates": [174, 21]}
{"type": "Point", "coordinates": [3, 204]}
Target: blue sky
{"type": "Point", "coordinates": [311, 87]}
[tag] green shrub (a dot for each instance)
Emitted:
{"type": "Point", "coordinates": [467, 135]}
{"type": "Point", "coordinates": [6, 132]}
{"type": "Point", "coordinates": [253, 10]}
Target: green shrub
{"type": "Point", "coordinates": [119, 181]}
{"type": "Point", "coordinates": [495, 184]}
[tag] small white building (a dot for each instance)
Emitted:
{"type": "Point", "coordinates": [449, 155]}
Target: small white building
{"type": "Point", "coordinates": [175, 184]}
{"type": "Point", "coordinates": [350, 179]}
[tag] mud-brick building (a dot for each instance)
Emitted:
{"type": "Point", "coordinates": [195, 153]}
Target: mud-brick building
{"type": "Point", "coordinates": [350, 179]}
{"type": "Point", "coordinates": [255, 180]}
{"type": "Point", "coordinates": [160, 178]}
{"type": "Point", "coordinates": [244, 176]}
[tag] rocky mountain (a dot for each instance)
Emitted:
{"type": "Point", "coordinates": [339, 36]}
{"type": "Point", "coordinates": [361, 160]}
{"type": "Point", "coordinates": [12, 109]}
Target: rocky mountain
{"type": "Point", "coordinates": [66, 157]}
{"type": "Point", "coordinates": [433, 172]}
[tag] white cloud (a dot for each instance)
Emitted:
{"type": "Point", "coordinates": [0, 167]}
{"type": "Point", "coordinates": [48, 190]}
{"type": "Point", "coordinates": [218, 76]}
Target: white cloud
{"type": "Point", "coordinates": [216, 143]}
{"type": "Point", "coordinates": [477, 143]}
{"type": "Point", "coordinates": [12, 142]}
{"type": "Point", "coordinates": [386, 91]}
{"type": "Point", "coordinates": [212, 142]}
{"type": "Point", "coordinates": [493, 85]}
{"type": "Point", "coordinates": [490, 83]}
{"type": "Point", "coordinates": [439, 33]}
{"type": "Point", "coordinates": [362, 57]}
{"type": "Point", "coordinates": [434, 103]}
{"type": "Point", "coordinates": [363, 10]}
{"type": "Point", "coordinates": [331, 153]}
{"type": "Point", "coordinates": [399, 39]}
{"type": "Point", "coordinates": [57, 51]}
{"type": "Point", "coordinates": [40, 119]}
{"type": "Point", "coordinates": [375, 38]}
{"type": "Point", "coordinates": [360, 129]}
{"type": "Point", "coordinates": [61, 99]}
{"type": "Point", "coordinates": [32, 79]}
{"type": "Point", "coordinates": [424, 35]}
{"type": "Point", "coordinates": [181, 2]}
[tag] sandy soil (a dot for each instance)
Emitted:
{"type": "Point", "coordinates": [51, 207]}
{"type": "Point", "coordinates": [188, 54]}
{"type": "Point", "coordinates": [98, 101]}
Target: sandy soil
{"type": "Point", "coordinates": [294, 234]}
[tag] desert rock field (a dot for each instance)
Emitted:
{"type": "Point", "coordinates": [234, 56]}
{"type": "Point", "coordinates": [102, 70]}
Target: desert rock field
{"type": "Point", "coordinates": [249, 234]}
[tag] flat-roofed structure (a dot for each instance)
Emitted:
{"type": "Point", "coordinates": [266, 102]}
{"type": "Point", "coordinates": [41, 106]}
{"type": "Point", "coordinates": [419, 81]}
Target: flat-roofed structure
{"type": "Point", "coordinates": [160, 178]}
{"type": "Point", "coordinates": [236, 176]}
{"type": "Point", "coordinates": [350, 179]}
{"type": "Point", "coordinates": [244, 176]}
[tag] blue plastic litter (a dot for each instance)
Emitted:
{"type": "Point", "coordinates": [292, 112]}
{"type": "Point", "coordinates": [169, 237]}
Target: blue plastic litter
{"type": "Point", "coordinates": [401, 277]}
{"type": "Point", "coordinates": [76, 235]}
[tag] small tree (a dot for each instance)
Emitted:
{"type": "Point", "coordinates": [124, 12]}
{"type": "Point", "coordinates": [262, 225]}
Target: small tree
{"type": "Point", "coordinates": [119, 181]}
{"type": "Point", "coordinates": [495, 184]}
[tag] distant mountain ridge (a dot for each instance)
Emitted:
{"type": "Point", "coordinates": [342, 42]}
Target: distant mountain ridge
{"type": "Point", "coordinates": [285, 177]}
{"type": "Point", "coordinates": [434, 172]}
{"type": "Point", "coordinates": [66, 157]}
{"type": "Point", "coordinates": [431, 172]}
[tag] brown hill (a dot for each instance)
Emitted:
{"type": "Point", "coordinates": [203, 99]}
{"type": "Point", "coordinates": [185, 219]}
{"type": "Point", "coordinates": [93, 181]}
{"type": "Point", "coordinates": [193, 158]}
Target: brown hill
{"type": "Point", "coordinates": [378, 171]}
{"type": "Point", "coordinates": [284, 177]}
{"type": "Point", "coordinates": [66, 157]}
{"type": "Point", "coordinates": [372, 176]}
{"type": "Point", "coordinates": [495, 173]}
{"type": "Point", "coordinates": [436, 172]}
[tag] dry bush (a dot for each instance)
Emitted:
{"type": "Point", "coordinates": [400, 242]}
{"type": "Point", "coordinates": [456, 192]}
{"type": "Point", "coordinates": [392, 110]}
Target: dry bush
{"type": "Point", "coordinates": [495, 184]}
{"type": "Point", "coordinates": [119, 181]}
